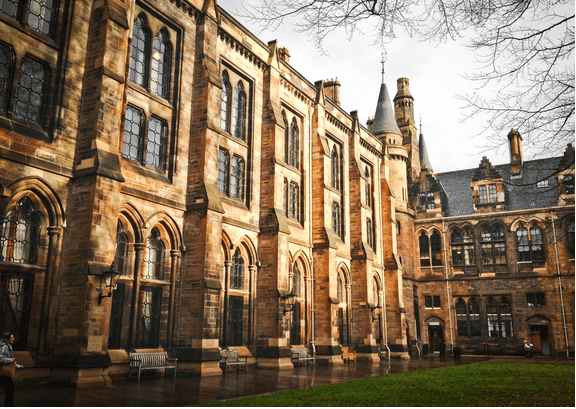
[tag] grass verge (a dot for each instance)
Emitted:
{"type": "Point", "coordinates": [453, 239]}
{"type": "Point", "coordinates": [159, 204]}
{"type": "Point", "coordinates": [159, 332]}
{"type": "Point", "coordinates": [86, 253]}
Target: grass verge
{"type": "Point", "coordinates": [479, 384]}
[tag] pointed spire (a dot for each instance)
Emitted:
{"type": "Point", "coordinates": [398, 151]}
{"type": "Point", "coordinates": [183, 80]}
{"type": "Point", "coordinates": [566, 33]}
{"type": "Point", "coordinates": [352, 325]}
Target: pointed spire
{"type": "Point", "coordinates": [384, 119]}
{"type": "Point", "coordinates": [424, 161]}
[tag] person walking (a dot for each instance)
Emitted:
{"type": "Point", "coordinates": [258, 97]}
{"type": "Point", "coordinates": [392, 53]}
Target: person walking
{"type": "Point", "coordinates": [8, 366]}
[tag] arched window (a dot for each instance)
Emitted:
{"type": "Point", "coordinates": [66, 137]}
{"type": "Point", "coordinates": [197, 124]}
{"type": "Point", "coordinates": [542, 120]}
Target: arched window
{"type": "Point", "coordinates": [436, 249]}
{"type": "Point", "coordinates": [139, 55]}
{"type": "Point", "coordinates": [294, 202]}
{"type": "Point", "coordinates": [570, 237]}
{"type": "Point", "coordinates": [493, 245]}
{"type": "Point", "coordinates": [154, 263]}
{"type": "Point", "coordinates": [369, 240]}
{"type": "Point", "coordinates": [121, 252]}
{"type": "Point", "coordinates": [463, 251]}
{"type": "Point", "coordinates": [368, 186]}
{"type": "Point", "coordinates": [505, 310]}
{"type": "Point", "coordinates": [161, 65]}
{"type": "Point", "coordinates": [239, 113]}
{"type": "Point", "coordinates": [20, 236]}
{"type": "Point", "coordinates": [424, 250]}
{"type": "Point", "coordinates": [296, 281]}
{"type": "Point", "coordinates": [492, 318]}
{"type": "Point", "coordinates": [468, 318]}
{"type": "Point", "coordinates": [530, 245]}
{"type": "Point", "coordinates": [335, 169]}
{"type": "Point", "coordinates": [223, 167]}
{"type": "Point", "coordinates": [225, 96]}
{"type": "Point", "coordinates": [293, 144]}
{"type": "Point", "coordinates": [237, 274]}
{"type": "Point", "coordinates": [340, 289]}
{"type": "Point", "coordinates": [375, 292]}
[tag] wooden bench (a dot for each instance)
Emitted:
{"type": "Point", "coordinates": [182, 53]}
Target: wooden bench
{"type": "Point", "coordinates": [151, 360]}
{"type": "Point", "coordinates": [301, 354]}
{"type": "Point", "coordinates": [230, 357]}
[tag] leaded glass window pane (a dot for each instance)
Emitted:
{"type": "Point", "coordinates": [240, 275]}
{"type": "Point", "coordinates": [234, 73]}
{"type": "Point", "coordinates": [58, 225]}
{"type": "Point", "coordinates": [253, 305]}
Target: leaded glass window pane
{"type": "Point", "coordinates": [40, 14]}
{"type": "Point", "coordinates": [492, 193]}
{"type": "Point", "coordinates": [369, 232]}
{"type": "Point", "coordinates": [335, 169]}
{"type": "Point", "coordinates": [461, 318]}
{"type": "Point", "coordinates": [239, 112]}
{"type": "Point", "coordinates": [294, 200]}
{"type": "Point", "coordinates": [237, 178]}
{"type": "Point", "coordinates": [293, 144]}
{"type": "Point", "coordinates": [523, 244]}
{"type": "Point", "coordinates": [483, 195]}
{"type": "Point", "coordinates": [156, 143]}
{"type": "Point", "coordinates": [296, 280]}
{"type": "Point", "coordinates": [474, 317]}
{"type": "Point", "coordinates": [29, 97]}
{"type": "Point", "coordinates": [436, 247]}
{"type": "Point", "coordinates": [121, 251]}
{"type": "Point", "coordinates": [9, 7]}
{"type": "Point", "coordinates": [424, 250]}
{"type": "Point", "coordinates": [139, 53]}
{"type": "Point", "coordinates": [15, 299]}
{"type": "Point", "coordinates": [368, 187]}
{"type": "Point", "coordinates": [225, 102]}
{"type": "Point", "coordinates": [492, 318]}
{"type": "Point", "coordinates": [20, 236]}
{"type": "Point", "coordinates": [505, 318]}
{"type": "Point", "coordinates": [6, 66]}
{"type": "Point", "coordinates": [161, 65]}
{"type": "Point", "coordinates": [149, 317]}
{"type": "Point", "coordinates": [133, 130]}
{"type": "Point", "coordinates": [154, 263]}
{"type": "Point", "coordinates": [537, 244]}
{"type": "Point", "coordinates": [223, 168]}
{"type": "Point", "coordinates": [336, 218]}
{"type": "Point", "coordinates": [237, 274]}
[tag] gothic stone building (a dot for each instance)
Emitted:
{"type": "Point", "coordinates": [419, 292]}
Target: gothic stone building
{"type": "Point", "coordinates": [244, 207]}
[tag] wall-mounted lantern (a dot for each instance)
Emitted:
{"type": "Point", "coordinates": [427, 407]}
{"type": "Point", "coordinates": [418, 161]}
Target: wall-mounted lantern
{"type": "Point", "coordinates": [289, 301]}
{"type": "Point", "coordinates": [107, 281]}
{"type": "Point", "coordinates": [374, 311]}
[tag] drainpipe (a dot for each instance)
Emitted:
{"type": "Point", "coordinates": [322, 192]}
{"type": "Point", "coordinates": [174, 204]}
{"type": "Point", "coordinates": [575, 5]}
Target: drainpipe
{"type": "Point", "coordinates": [448, 288]}
{"type": "Point", "coordinates": [562, 306]}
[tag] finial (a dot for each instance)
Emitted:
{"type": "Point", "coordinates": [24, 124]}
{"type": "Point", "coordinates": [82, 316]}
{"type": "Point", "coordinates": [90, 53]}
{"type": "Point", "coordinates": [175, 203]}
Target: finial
{"type": "Point", "coordinates": [383, 61]}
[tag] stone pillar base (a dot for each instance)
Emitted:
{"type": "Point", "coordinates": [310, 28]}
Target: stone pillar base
{"type": "Point", "coordinates": [82, 378]}
{"type": "Point", "coordinates": [199, 368]}
{"type": "Point", "coordinates": [368, 357]}
{"type": "Point", "coordinates": [329, 360]}
{"type": "Point", "coordinates": [400, 355]}
{"type": "Point", "coordinates": [275, 362]}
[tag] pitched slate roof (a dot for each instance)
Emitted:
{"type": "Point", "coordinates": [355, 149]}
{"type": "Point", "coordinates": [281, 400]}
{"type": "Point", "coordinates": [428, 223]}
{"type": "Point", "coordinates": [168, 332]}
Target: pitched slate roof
{"type": "Point", "coordinates": [522, 192]}
{"type": "Point", "coordinates": [423, 152]}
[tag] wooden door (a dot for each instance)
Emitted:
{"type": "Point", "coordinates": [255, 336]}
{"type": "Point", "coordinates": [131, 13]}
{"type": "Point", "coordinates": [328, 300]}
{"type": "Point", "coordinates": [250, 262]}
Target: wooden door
{"type": "Point", "coordinates": [436, 338]}
{"type": "Point", "coordinates": [536, 339]}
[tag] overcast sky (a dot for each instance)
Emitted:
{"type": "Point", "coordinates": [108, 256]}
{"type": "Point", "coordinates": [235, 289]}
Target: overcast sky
{"type": "Point", "coordinates": [435, 72]}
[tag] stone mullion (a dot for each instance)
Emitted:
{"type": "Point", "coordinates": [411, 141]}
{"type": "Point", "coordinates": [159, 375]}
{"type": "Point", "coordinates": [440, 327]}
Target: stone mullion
{"type": "Point", "coordinates": [138, 261]}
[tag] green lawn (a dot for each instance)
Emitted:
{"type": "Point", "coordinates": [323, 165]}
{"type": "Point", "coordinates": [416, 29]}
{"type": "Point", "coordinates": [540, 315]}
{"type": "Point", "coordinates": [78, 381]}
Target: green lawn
{"type": "Point", "coordinates": [480, 384]}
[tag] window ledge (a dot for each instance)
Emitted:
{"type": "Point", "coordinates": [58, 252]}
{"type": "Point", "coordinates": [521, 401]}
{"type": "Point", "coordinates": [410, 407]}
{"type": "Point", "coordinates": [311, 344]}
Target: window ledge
{"type": "Point", "coordinates": [233, 201]}
{"type": "Point", "coordinates": [146, 171]}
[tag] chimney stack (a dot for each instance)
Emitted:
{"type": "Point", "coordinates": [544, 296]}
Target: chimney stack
{"type": "Point", "coordinates": [284, 54]}
{"type": "Point", "coordinates": [332, 90]}
{"type": "Point", "coordinates": [516, 155]}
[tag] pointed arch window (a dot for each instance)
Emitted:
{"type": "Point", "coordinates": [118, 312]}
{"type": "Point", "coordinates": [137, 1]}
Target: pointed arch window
{"type": "Point", "coordinates": [225, 96]}
{"type": "Point", "coordinates": [154, 263]}
{"type": "Point", "coordinates": [121, 251]}
{"type": "Point", "coordinates": [161, 65]}
{"type": "Point", "coordinates": [20, 236]}
{"type": "Point", "coordinates": [468, 318]}
{"type": "Point", "coordinates": [424, 250]}
{"type": "Point", "coordinates": [296, 281]}
{"type": "Point", "coordinates": [530, 245]}
{"type": "Point", "coordinates": [294, 201]}
{"type": "Point", "coordinates": [335, 169]}
{"type": "Point", "coordinates": [292, 152]}
{"type": "Point", "coordinates": [237, 273]}
{"type": "Point", "coordinates": [139, 55]}
{"type": "Point", "coordinates": [239, 113]}
{"type": "Point", "coordinates": [493, 245]}
{"type": "Point", "coordinates": [463, 250]}
{"type": "Point", "coordinates": [430, 249]}
{"type": "Point", "coordinates": [369, 239]}
{"type": "Point", "coordinates": [6, 67]}
{"type": "Point", "coordinates": [368, 186]}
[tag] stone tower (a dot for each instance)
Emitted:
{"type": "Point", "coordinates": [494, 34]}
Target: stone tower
{"type": "Point", "coordinates": [395, 212]}
{"type": "Point", "coordinates": [404, 114]}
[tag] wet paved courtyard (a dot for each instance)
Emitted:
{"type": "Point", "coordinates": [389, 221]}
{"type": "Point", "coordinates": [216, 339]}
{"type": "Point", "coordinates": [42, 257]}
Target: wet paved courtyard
{"type": "Point", "coordinates": [182, 391]}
